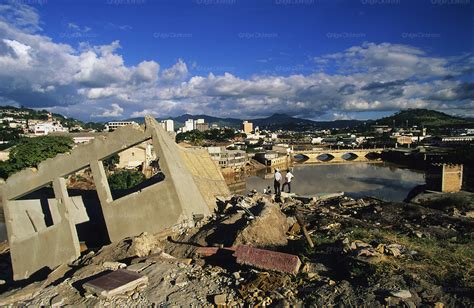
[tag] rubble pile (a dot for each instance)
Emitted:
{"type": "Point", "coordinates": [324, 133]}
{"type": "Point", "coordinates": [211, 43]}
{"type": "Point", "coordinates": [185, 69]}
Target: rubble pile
{"type": "Point", "coordinates": [295, 250]}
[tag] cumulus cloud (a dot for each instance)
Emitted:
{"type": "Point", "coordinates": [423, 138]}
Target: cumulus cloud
{"type": "Point", "coordinates": [114, 111]}
{"type": "Point", "coordinates": [175, 73]}
{"type": "Point", "coordinates": [90, 80]}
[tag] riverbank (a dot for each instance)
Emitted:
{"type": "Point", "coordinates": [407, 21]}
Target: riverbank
{"type": "Point", "coordinates": [365, 252]}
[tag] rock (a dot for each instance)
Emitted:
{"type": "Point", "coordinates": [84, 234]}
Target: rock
{"type": "Point", "coordinates": [359, 244]}
{"type": "Point", "coordinates": [220, 299]}
{"type": "Point", "coordinates": [181, 281]}
{"type": "Point", "coordinates": [365, 252]}
{"type": "Point", "coordinates": [418, 234]}
{"type": "Point", "coordinates": [144, 245]}
{"type": "Point", "coordinates": [401, 293]}
{"type": "Point", "coordinates": [57, 301]}
{"type": "Point", "coordinates": [267, 229]}
{"type": "Point", "coordinates": [312, 267]}
{"type": "Point", "coordinates": [138, 267]}
{"type": "Point", "coordinates": [135, 296]}
{"type": "Point", "coordinates": [394, 250]}
{"type": "Point", "coordinates": [380, 248]}
{"type": "Point", "coordinates": [236, 275]}
{"type": "Point", "coordinates": [111, 265]}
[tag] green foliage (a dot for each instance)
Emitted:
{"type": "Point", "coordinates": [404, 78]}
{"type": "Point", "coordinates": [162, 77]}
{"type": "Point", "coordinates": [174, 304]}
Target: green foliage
{"type": "Point", "coordinates": [94, 126]}
{"type": "Point", "coordinates": [111, 161]}
{"type": "Point", "coordinates": [125, 179]}
{"type": "Point", "coordinates": [10, 134]}
{"type": "Point", "coordinates": [31, 114]}
{"type": "Point", "coordinates": [29, 152]}
{"type": "Point", "coordinates": [422, 117]}
{"type": "Point", "coordinates": [194, 136]}
{"type": "Point", "coordinates": [197, 137]}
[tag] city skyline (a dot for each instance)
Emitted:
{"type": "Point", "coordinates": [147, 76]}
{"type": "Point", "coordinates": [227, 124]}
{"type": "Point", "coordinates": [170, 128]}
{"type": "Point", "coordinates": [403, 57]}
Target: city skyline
{"type": "Point", "coordinates": [319, 60]}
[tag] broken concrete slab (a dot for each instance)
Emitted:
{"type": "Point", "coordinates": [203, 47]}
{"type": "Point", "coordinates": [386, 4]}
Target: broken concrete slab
{"type": "Point", "coordinates": [192, 182]}
{"type": "Point", "coordinates": [191, 178]}
{"type": "Point", "coordinates": [33, 245]}
{"type": "Point", "coordinates": [268, 229]}
{"type": "Point", "coordinates": [114, 283]}
{"type": "Point", "coordinates": [267, 259]}
{"type": "Point", "coordinates": [210, 251]}
{"type": "Point", "coordinates": [138, 267]}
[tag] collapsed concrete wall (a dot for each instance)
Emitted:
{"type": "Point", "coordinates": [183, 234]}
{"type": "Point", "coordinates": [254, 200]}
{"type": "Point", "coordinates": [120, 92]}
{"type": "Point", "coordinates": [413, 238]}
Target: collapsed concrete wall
{"type": "Point", "coordinates": [192, 181]}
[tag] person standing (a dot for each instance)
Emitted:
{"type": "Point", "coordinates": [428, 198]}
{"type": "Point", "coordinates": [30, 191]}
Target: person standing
{"type": "Point", "coordinates": [288, 178]}
{"type": "Point", "coordinates": [277, 182]}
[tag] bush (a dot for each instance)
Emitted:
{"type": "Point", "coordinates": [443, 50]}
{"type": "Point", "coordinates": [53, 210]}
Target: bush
{"type": "Point", "coordinates": [29, 152]}
{"type": "Point", "coordinates": [125, 179]}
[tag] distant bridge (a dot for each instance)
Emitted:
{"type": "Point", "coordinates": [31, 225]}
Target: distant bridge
{"type": "Point", "coordinates": [328, 156]}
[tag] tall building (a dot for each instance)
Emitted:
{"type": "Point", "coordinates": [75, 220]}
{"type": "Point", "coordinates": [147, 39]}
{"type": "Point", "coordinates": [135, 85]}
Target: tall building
{"type": "Point", "coordinates": [200, 121]}
{"type": "Point", "coordinates": [189, 125]}
{"type": "Point", "coordinates": [168, 125]}
{"type": "Point", "coordinates": [202, 127]}
{"type": "Point", "coordinates": [247, 127]}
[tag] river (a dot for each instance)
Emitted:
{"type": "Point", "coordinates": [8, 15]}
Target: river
{"type": "Point", "coordinates": [382, 180]}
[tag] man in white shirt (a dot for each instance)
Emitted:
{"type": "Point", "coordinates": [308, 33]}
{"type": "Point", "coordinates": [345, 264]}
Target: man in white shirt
{"type": "Point", "coordinates": [288, 177]}
{"type": "Point", "coordinates": [277, 182]}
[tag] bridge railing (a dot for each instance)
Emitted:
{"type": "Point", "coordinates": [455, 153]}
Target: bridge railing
{"type": "Point", "coordinates": [324, 151]}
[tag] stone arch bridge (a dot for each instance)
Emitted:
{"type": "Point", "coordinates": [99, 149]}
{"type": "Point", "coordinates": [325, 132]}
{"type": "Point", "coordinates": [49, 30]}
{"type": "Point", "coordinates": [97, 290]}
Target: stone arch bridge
{"type": "Point", "coordinates": [329, 156]}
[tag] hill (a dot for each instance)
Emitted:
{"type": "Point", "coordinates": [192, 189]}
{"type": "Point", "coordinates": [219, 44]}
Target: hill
{"type": "Point", "coordinates": [423, 117]}
{"type": "Point", "coordinates": [32, 114]}
{"type": "Point", "coordinates": [274, 122]}
{"type": "Point", "coordinates": [286, 122]}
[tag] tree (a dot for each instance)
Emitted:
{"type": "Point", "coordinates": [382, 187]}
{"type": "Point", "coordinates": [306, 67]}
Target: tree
{"type": "Point", "coordinates": [111, 161]}
{"type": "Point", "coordinates": [125, 179]}
{"type": "Point", "coordinates": [29, 152]}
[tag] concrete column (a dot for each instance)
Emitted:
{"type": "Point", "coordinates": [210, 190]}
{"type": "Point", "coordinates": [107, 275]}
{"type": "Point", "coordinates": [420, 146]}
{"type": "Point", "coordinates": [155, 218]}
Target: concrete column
{"type": "Point", "coordinates": [64, 202]}
{"type": "Point", "coordinates": [101, 184]}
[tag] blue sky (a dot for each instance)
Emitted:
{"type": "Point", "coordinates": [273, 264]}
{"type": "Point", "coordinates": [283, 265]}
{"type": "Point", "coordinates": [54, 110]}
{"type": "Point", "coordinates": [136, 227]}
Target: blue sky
{"type": "Point", "coordinates": [318, 59]}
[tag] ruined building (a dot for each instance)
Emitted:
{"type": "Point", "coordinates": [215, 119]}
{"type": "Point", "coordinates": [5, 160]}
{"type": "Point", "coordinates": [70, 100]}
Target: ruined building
{"type": "Point", "coordinates": [189, 188]}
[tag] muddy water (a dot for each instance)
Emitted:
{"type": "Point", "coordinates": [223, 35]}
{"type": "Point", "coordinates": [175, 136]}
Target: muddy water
{"type": "Point", "coordinates": [384, 181]}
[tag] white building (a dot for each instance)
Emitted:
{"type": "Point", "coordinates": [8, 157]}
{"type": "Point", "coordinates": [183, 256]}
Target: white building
{"type": "Point", "coordinates": [45, 128]}
{"type": "Point", "coordinates": [116, 124]}
{"type": "Point", "coordinates": [189, 125]}
{"type": "Point", "coordinates": [228, 158]}
{"type": "Point", "coordinates": [169, 125]}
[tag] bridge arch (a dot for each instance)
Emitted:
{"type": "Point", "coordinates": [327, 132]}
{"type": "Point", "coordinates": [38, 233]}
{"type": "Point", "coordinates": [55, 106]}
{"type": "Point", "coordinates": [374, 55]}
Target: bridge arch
{"type": "Point", "coordinates": [372, 155]}
{"type": "Point", "coordinates": [300, 158]}
{"type": "Point", "coordinates": [325, 157]}
{"type": "Point", "coordinates": [349, 156]}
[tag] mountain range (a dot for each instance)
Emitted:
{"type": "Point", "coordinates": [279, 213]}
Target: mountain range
{"type": "Point", "coordinates": [420, 117]}
{"type": "Point", "coordinates": [273, 122]}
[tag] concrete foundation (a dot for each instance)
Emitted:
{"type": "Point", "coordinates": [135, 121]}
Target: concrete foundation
{"type": "Point", "coordinates": [192, 181]}
{"type": "Point", "coordinates": [445, 177]}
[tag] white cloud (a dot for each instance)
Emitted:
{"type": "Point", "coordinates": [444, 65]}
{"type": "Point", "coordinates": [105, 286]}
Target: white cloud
{"type": "Point", "coordinates": [175, 73]}
{"type": "Point", "coordinates": [39, 72]}
{"type": "Point", "coordinates": [21, 16]}
{"type": "Point", "coordinates": [115, 111]}
{"type": "Point", "coordinates": [147, 71]}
